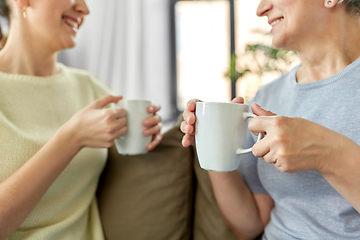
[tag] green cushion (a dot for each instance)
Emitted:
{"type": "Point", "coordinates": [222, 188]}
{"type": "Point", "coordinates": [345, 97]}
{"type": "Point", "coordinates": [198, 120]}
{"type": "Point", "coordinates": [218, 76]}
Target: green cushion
{"type": "Point", "coordinates": [161, 195]}
{"type": "Point", "coordinates": [208, 221]}
{"type": "Point", "coordinates": [148, 196]}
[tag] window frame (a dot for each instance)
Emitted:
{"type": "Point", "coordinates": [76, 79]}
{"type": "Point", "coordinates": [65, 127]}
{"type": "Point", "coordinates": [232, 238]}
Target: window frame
{"type": "Point", "coordinates": [173, 62]}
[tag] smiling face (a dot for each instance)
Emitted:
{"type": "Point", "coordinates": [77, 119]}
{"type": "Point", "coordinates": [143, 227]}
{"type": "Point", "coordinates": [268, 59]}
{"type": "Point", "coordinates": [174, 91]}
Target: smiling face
{"type": "Point", "coordinates": [293, 22]}
{"type": "Point", "coordinates": [55, 22]}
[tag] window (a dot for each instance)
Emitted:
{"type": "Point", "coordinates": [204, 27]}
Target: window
{"type": "Point", "coordinates": [203, 54]}
{"type": "Point", "coordinates": [202, 50]}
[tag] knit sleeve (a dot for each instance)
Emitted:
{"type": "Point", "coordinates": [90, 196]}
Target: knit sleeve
{"type": "Point", "coordinates": [100, 88]}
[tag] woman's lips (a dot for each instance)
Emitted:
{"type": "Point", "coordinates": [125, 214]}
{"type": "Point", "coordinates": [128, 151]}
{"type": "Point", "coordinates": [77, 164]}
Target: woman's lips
{"type": "Point", "coordinates": [275, 21]}
{"type": "Point", "coordinates": [74, 24]}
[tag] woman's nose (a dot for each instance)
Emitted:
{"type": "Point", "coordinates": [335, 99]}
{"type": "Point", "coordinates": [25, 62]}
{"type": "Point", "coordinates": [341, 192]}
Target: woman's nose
{"type": "Point", "coordinates": [80, 6]}
{"type": "Point", "coordinates": [263, 8]}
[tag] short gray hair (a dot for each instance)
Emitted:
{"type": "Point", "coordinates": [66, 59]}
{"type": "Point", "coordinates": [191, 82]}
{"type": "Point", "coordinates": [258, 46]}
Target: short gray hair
{"type": "Point", "coordinates": [352, 6]}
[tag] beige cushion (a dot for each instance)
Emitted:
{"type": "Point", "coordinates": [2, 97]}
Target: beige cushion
{"type": "Point", "coordinates": [208, 221]}
{"type": "Point", "coordinates": [148, 196]}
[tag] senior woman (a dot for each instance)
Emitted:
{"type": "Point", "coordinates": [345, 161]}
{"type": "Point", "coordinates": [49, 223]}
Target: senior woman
{"type": "Point", "coordinates": [302, 180]}
{"type": "Point", "coordinates": [54, 129]}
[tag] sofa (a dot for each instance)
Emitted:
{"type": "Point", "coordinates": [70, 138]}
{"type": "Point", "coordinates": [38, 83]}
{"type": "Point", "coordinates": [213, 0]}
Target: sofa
{"type": "Point", "coordinates": [161, 195]}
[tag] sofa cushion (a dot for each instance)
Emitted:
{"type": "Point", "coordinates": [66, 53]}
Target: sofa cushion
{"type": "Point", "coordinates": [148, 196]}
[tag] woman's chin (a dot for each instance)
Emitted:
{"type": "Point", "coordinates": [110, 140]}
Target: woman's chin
{"type": "Point", "coordinates": [69, 44]}
{"type": "Point", "coordinates": [281, 43]}
{"type": "Point", "coordinates": [276, 44]}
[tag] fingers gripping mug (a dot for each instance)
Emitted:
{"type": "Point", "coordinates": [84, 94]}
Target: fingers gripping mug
{"type": "Point", "coordinates": [220, 133]}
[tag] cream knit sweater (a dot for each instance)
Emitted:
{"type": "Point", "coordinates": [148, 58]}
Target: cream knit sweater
{"type": "Point", "coordinates": [31, 110]}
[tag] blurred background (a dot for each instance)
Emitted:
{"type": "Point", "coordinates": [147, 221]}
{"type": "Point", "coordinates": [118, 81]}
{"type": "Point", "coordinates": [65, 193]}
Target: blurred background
{"type": "Point", "coordinates": [170, 51]}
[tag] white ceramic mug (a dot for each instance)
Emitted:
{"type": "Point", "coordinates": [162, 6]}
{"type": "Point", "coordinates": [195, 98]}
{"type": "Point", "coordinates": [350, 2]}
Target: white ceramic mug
{"type": "Point", "coordinates": [220, 133]}
{"type": "Point", "coordinates": [134, 141]}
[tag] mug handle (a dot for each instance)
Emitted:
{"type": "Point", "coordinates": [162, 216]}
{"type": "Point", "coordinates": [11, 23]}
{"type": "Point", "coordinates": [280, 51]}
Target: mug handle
{"type": "Point", "coordinates": [247, 115]}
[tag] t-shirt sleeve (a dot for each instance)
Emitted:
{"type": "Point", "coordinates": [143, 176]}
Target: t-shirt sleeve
{"type": "Point", "coordinates": [248, 167]}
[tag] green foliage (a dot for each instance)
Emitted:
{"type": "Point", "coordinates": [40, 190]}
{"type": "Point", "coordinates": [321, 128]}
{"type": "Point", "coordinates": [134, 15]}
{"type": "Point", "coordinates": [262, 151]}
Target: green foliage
{"type": "Point", "coordinates": [233, 74]}
{"type": "Point", "coordinates": [273, 59]}
{"type": "Point", "coordinates": [258, 59]}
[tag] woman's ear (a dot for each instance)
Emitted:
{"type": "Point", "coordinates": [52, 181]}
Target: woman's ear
{"type": "Point", "coordinates": [18, 6]}
{"type": "Point", "coordinates": [22, 3]}
{"type": "Point", "coordinates": [331, 3]}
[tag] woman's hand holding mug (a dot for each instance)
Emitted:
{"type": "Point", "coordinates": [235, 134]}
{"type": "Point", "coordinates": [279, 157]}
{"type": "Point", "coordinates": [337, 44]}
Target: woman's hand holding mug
{"type": "Point", "coordinates": [188, 125]}
{"type": "Point", "coordinates": [153, 127]}
{"type": "Point", "coordinates": [95, 126]}
{"type": "Point", "coordinates": [98, 127]}
{"type": "Point", "coordinates": [295, 144]}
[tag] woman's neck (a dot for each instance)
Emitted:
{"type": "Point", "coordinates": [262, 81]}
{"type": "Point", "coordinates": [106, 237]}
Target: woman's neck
{"type": "Point", "coordinates": [25, 56]}
{"type": "Point", "coordinates": [323, 65]}
{"type": "Point", "coordinates": [327, 55]}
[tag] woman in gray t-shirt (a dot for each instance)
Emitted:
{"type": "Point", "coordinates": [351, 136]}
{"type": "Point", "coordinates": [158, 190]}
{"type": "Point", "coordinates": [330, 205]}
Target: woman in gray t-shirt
{"type": "Point", "coordinates": [302, 180]}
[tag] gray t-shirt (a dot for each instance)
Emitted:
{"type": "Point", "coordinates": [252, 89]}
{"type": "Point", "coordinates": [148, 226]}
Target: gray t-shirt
{"type": "Point", "coordinates": [306, 206]}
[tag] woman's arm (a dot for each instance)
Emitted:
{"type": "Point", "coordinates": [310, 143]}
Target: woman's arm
{"type": "Point", "coordinates": [91, 127]}
{"type": "Point", "coordinates": [247, 214]}
{"type": "Point", "coordinates": [342, 170]}
{"type": "Point", "coordinates": [20, 193]}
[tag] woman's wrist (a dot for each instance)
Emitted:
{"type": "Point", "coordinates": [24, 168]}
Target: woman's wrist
{"type": "Point", "coordinates": [343, 155]}
{"type": "Point", "coordinates": [66, 136]}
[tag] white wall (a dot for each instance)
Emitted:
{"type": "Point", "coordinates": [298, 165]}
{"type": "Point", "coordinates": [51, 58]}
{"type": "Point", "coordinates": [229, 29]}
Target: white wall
{"type": "Point", "coordinates": [126, 44]}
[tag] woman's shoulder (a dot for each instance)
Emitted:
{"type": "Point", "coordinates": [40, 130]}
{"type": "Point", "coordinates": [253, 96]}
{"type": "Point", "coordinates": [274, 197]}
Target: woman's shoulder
{"type": "Point", "coordinates": [85, 77]}
{"type": "Point", "coordinates": [286, 80]}
{"type": "Point", "coordinates": [276, 88]}
{"type": "Point", "coordinates": [76, 72]}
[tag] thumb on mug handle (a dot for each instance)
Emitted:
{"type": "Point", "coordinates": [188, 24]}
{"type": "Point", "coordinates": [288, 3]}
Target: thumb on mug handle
{"type": "Point", "coordinates": [247, 115]}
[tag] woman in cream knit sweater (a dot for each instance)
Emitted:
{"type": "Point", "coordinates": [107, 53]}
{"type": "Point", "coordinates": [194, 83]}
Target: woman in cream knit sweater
{"type": "Point", "coordinates": [54, 132]}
